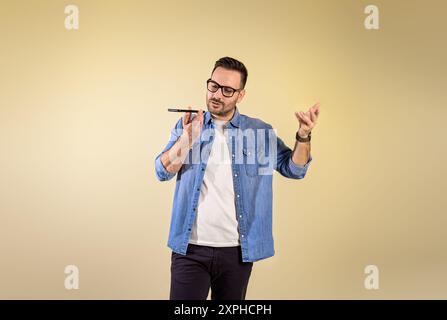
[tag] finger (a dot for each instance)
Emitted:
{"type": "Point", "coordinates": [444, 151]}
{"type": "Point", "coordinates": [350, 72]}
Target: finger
{"type": "Point", "coordinates": [187, 116]}
{"type": "Point", "coordinates": [307, 114]}
{"type": "Point", "coordinates": [195, 117]}
{"type": "Point", "coordinates": [297, 115]}
{"type": "Point", "coordinates": [317, 109]}
{"type": "Point", "coordinates": [313, 116]}
{"type": "Point", "coordinates": [303, 120]}
{"type": "Point", "coordinates": [307, 120]}
{"type": "Point", "coordinates": [301, 116]}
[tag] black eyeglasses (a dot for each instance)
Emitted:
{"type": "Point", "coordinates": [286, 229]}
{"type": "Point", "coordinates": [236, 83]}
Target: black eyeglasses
{"type": "Point", "coordinates": [213, 86]}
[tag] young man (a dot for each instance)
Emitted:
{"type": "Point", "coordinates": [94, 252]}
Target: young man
{"type": "Point", "coordinates": [222, 210]}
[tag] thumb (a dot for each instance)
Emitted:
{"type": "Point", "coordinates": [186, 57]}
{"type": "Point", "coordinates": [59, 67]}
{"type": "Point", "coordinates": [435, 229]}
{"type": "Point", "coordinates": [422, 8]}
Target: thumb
{"type": "Point", "coordinates": [187, 117]}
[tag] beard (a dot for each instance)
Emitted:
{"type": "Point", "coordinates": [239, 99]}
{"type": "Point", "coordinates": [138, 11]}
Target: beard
{"type": "Point", "coordinates": [218, 108]}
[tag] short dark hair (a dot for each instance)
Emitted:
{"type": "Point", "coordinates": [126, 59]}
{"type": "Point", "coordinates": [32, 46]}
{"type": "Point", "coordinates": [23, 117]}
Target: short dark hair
{"type": "Point", "coordinates": [233, 64]}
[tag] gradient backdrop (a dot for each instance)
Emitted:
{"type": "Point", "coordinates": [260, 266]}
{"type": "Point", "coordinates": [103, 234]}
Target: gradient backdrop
{"type": "Point", "coordinates": [83, 115]}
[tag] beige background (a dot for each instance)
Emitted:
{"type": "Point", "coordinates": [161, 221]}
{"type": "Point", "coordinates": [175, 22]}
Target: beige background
{"type": "Point", "coordinates": [83, 115]}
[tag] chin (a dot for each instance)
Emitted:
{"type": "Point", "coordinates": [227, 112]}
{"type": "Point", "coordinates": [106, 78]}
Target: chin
{"type": "Point", "coordinates": [217, 110]}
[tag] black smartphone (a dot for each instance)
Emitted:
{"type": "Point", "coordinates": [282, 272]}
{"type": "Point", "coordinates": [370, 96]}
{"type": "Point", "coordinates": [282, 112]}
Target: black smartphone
{"type": "Point", "coordinates": [183, 110]}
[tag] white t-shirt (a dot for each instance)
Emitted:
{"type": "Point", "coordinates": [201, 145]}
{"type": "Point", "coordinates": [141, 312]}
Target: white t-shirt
{"type": "Point", "coordinates": [216, 224]}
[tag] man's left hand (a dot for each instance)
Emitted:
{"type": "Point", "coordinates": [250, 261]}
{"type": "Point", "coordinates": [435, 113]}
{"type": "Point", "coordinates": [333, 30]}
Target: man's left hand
{"type": "Point", "coordinates": [307, 120]}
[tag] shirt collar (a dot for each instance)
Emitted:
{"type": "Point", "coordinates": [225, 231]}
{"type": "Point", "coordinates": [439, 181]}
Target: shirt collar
{"type": "Point", "coordinates": [235, 120]}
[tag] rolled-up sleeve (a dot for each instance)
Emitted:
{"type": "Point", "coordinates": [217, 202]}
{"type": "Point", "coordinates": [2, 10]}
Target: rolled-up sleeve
{"type": "Point", "coordinates": [297, 170]}
{"type": "Point", "coordinates": [160, 170]}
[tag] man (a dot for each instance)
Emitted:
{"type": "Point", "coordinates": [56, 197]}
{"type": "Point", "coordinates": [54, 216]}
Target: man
{"type": "Point", "coordinates": [222, 210]}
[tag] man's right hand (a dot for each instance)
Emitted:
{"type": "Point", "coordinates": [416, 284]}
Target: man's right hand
{"type": "Point", "coordinates": [192, 126]}
{"type": "Point", "coordinates": [173, 158]}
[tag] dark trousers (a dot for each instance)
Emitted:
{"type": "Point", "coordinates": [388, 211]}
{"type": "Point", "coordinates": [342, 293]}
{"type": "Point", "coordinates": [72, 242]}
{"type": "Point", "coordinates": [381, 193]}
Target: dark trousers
{"type": "Point", "coordinates": [203, 267]}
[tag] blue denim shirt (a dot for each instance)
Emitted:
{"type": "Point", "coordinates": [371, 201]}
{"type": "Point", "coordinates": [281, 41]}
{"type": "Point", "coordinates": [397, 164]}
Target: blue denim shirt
{"type": "Point", "coordinates": [256, 151]}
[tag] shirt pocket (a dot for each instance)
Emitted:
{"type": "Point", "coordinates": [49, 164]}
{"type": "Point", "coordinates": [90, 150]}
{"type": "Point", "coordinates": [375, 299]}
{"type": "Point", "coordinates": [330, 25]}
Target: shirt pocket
{"type": "Point", "coordinates": [250, 162]}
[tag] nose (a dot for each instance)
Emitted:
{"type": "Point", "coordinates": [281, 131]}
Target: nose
{"type": "Point", "coordinates": [217, 95]}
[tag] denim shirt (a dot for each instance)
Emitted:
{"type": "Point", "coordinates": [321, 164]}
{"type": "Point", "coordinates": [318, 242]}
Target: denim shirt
{"type": "Point", "coordinates": [255, 152]}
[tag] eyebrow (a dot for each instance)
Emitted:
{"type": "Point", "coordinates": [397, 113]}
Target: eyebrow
{"type": "Point", "coordinates": [223, 85]}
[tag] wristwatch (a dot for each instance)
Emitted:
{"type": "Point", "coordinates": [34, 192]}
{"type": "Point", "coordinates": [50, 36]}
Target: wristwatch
{"type": "Point", "coordinates": [297, 136]}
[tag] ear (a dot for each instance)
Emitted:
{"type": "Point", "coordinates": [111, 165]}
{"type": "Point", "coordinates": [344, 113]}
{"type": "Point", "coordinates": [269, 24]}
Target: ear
{"type": "Point", "coordinates": [241, 96]}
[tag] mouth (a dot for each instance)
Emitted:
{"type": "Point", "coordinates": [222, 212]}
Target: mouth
{"type": "Point", "coordinates": [215, 104]}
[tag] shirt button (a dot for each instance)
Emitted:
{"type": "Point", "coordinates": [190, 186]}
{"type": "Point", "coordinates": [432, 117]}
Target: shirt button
{"type": "Point", "coordinates": [240, 216]}
{"type": "Point", "coordinates": [233, 155]}
{"type": "Point", "coordinates": [235, 174]}
{"type": "Point", "coordinates": [242, 235]}
{"type": "Point", "coordinates": [238, 196]}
